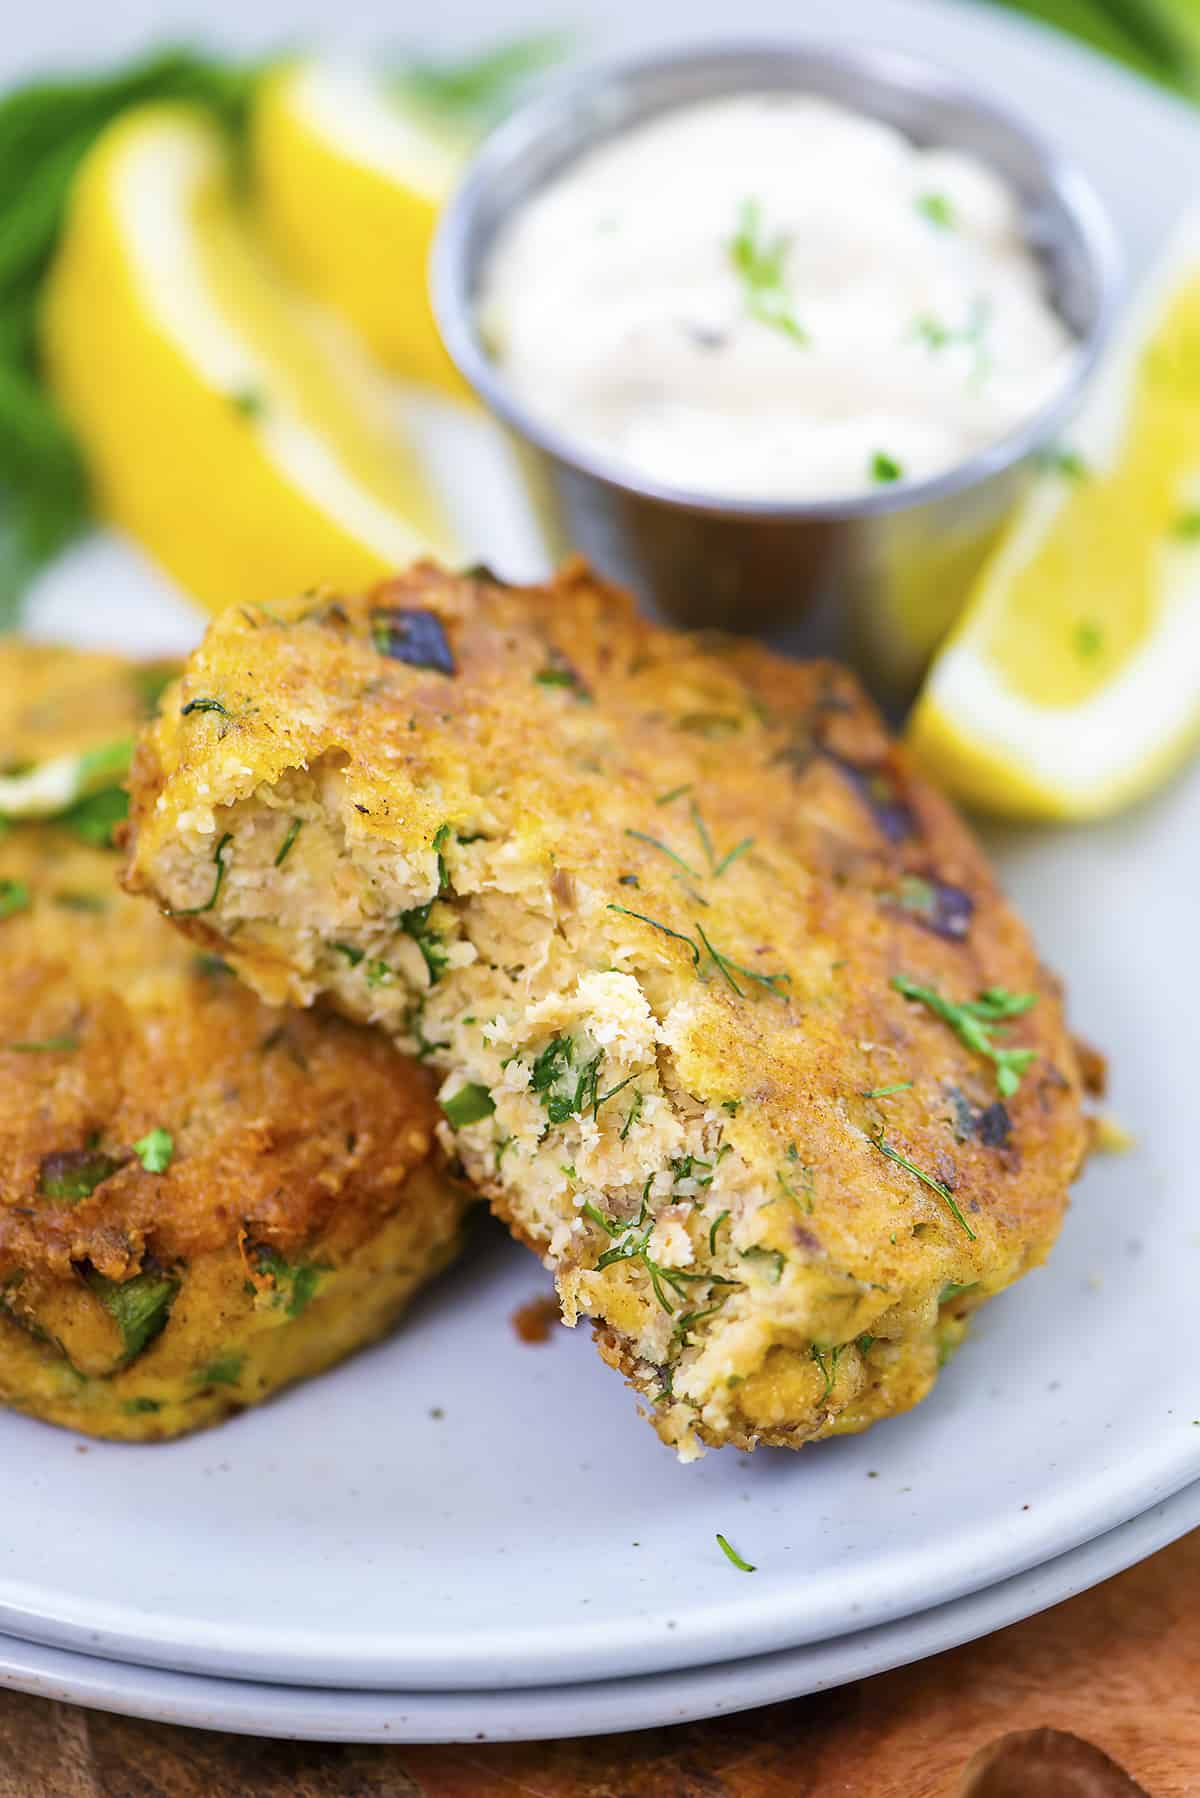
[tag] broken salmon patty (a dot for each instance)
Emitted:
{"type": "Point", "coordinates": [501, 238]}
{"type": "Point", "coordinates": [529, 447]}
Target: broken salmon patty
{"type": "Point", "coordinates": [735, 1027]}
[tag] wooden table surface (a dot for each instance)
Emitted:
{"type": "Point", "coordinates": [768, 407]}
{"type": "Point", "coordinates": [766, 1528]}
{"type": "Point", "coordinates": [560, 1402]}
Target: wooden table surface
{"type": "Point", "coordinates": [1099, 1698]}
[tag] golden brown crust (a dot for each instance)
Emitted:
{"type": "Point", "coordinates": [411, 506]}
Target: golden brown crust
{"type": "Point", "coordinates": [704, 865]}
{"type": "Point", "coordinates": [299, 1137]}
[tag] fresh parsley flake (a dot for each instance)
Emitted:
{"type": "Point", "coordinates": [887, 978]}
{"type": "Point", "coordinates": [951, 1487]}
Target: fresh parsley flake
{"type": "Point", "coordinates": [295, 1284]}
{"type": "Point", "coordinates": [938, 210]}
{"type": "Point", "coordinates": [885, 468]}
{"type": "Point", "coordinates": [415, 923]}
{"type": "Point", "coordinates": [14, 897]}
{"type": "Point", "coordinates": [469, 1105]}
{"type": "Point", "coordinates": [155, 1151]}
{"type": "Point", "coordinates": [759, 264]}
{"type": "Point", "coordinates": [223, 1370]}
{"type": "Point", "coordinates": [139, 1307]}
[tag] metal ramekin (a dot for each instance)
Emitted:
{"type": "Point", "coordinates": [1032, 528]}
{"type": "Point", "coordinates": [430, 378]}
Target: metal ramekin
{"type": "Point", "coordinates": [896, 561]}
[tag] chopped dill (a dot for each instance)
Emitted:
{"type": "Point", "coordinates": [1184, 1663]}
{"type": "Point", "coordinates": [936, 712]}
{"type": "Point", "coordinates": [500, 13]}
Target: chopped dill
{"type": "Point", "coordinates": [884, 1092]}
{"type": "Point", "coordinates": [723, 963]}
{"type": "Point", "coordinates": [612, 1093]}
{"type": "Point", "coordinates": [702, 833]}
{"type": "Point", "coordinates": [938, 1186]}
{"type": "Point", "coordinates": [675, 793]}
{"type": "Point", "coordinates": [974, 1021]}
{"type": "Point", "coordinates": [635, 1112]}
{"type": "Point", "coordinates": [828, 1368]}
{"type": "Point", "coordinates": [654, 843]}
{"type": "Point", "coordinates": [285, 848]}
{"type": "Point", "coordinates": [664, 928]}
{"type": "Point", "coordinates": [728, 860]}
{"type": "Point", "coordinates": [731, 1554]}
{"type": "Point", "coordinates": [203, 705]}
{"type": "Point", "coordinates": [712, 1234]}
{"type": "Point", "coordinates": [195, 911]}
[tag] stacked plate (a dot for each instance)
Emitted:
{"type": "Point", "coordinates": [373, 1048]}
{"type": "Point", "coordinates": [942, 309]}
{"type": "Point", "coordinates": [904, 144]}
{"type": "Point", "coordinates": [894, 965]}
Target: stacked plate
{"type": "Point", "coordinates": [462, 1535]}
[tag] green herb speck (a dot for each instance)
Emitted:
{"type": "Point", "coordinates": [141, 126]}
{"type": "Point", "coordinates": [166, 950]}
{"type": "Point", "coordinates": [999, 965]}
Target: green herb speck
{"type": "Point", "coordinates": [155, 1151]}
{"type": "Point", "coordinates": [731, 1554]}
{"type": "Point", "coordinates": [469, 1105]}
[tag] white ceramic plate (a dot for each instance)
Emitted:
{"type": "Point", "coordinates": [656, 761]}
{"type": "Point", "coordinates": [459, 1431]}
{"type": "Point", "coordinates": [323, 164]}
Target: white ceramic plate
{"type": "Point", "coordinates": [537, 1533]}
{"type": "Point", "coordinates": [600, 1708]}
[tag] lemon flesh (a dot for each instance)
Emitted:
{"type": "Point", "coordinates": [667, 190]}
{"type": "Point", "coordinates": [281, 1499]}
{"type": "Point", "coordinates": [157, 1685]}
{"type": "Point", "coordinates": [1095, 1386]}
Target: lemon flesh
{"type": "Point", "coordinates": [227, 424]}
{"type": "Point", "coordinates": [350, 182]}
{"type": "Point", "coordinates": [1071, 686]}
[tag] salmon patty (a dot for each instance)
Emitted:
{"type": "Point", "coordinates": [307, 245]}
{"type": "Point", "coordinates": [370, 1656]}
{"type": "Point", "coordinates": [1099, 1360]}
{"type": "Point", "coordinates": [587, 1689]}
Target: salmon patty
{"type": "Point", "coordinates": [736, 1029]}
{"type": "Point", "coordinates": [200, 1200]}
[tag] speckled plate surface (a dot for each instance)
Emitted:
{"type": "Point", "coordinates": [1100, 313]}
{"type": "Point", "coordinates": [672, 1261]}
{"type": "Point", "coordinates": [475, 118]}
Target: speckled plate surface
{"type": "Point", "coordinates": [457, 1511]}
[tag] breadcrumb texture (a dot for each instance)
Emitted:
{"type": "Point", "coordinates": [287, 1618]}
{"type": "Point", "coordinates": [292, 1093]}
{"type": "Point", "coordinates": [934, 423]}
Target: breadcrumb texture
{"type": "Point", "coordinates": [641, 899]}
{"type": "Point", "coordinates": [304, 1199]}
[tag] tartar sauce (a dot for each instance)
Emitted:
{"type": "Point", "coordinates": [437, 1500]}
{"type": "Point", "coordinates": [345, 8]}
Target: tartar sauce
{"type": "Point", "coordinates": [771, 297]}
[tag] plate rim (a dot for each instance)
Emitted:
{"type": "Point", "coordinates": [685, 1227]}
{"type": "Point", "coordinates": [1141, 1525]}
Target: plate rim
{"type": "Point", "coordinates": [601, 1707]}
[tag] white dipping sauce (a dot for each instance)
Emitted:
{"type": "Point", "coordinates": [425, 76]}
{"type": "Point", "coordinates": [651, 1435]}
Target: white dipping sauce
{"type": "Point", "coordinates": [771, 297]}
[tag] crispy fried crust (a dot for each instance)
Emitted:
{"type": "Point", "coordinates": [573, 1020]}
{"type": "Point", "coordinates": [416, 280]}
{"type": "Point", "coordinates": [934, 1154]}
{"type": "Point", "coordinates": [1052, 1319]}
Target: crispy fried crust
{"type": "Point", "coordinates": [303, 1202]}
{"type": "Point", "coordinates": [651, 894]}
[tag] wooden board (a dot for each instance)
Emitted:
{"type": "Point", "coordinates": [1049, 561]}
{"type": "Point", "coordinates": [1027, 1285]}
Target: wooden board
{"type": "Point", "coordinates": [1118, 1669]}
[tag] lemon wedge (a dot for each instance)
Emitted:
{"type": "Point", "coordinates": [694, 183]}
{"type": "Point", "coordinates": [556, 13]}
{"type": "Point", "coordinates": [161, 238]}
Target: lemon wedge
{"type": "Point", "coordinates": [1071, 685]}
{"type": "Point", "coordinates": [350, 180]}
{"type": "Point", "coordinates": [227, 424]}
